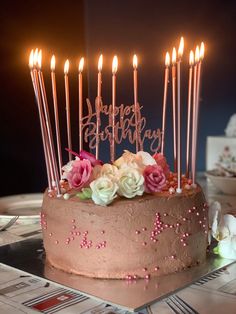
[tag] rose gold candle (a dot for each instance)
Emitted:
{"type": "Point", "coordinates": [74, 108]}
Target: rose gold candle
{"type": "Point", "coordinates": [51, 148]}
{"type": "Point", "coordinates": [174, 107]}
{"type": "Point", "coordinates": [179, 174]}
{"type": "Point", "coordinates": [135, 75]}
{"type": "Point", "coordinates": [68, 123]}
{"type": "Point", "coordinates": [194, 114]}
{"type": "Point", "coordinates": [114, 70]}
{"type": "Point", "coordinates": [98, 103]}
{"type": "Point", "coordinates": [191, 62]}
{"type": "Point", "coordinates": [81, 66]}
{"type": "Point", "coordinates": [42, 122]}
{"type": "Point", "coordinates": [166, 79]}
{"type": "Point", "coordinates": [56, 116]}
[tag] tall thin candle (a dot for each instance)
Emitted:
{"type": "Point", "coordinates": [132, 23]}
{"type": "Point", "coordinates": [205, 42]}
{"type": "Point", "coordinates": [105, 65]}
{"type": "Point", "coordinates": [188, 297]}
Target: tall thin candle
{"type": "Point", "coordinates": [68, 122]}
{"type": "Point", "coordinates": [51, 147]}
{"type": "Point", "coordinates": [199, 59]}
{"type": "Point", "coordinates": [195, 70]}
{"type": "Point", "coordinates": [135, 66]}
{"type": "Point", "coordinates": [98, 103]}
{"type": "Point", "coordinates": [42, 125]}
{"type": "Point", "coordinates": [166, 79]}
{"type": "Point", "coordinates": [81, 66]}
{"type": "Point", "coordinates": [56, 115]}
{"type": "Point", "coordinates": [180, 53]}
{"type": "Point", "coordinates": [191, 62]}
{"type": "Point", "coordinates": [114, 70]}
{"type": "Point", "coordinates": [174, 107]}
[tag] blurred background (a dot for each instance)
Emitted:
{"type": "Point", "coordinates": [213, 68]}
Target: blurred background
{"type": "Point", "coordinates": [74, 29]}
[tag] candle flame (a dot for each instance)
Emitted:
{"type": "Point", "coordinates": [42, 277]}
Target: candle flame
{"type": "Point", "coordinates": [197, 54]}
{"type": "Point", "coordinates": [181, 47]}
{"type": "Point", "coordinates": [114, 65]}
{"type": "Point", "coordinates": [135, 62]}
{"type": "Point", "coordinates": [174, 56]}
{"type": "Point", "coordinates": [53, 63]}
{"type": "Point", "coordinates": [191, 58]}
{"type": "Point", "coordinates": [35, 57]}
{"type": "Point", "coordinates": [40, 59]}
{"type": "Point", "coordinates": [202, 50]}
{"type": "Point", "coordinates": [167, 60]}
{"type": "Point", "coordinates": [66, 67]}
{"type": "Point", "coordinates": [31, 59]}
{"type": "Point", "coordinates": [81, 65]}
{"type": "Point", "coordinates": [100, 62]}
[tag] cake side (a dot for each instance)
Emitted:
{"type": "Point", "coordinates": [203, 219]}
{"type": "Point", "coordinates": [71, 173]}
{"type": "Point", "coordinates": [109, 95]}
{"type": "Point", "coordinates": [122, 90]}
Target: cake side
{"type": "Point", "coordinates": [149, 235]}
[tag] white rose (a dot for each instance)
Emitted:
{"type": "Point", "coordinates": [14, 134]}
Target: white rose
{"type": "Point", "coordinates": [146, 158]}
{"type": "Point", "coordinates": [126, 158]}
{"type": "Point", "coordinates": [67, 168]}
{"type": "Point", "coordinates": [109, 171]}
{"type": "Point", "coordinates": [103, 191]}
{"type": "Point", "coordinates": [131, 182]}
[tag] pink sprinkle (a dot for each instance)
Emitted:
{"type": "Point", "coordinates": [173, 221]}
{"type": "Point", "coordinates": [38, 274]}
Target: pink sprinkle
{"type": "Point", "coordinates": [184, 244]}
{"type": "Point", "coordinates": [165, 214]}
{"type": "Point", "coordinates": [144, 269]}
{"type": "Point", "coordinates": [177, 224]}
{"type": "Point", "coordinates": [187, 234]}
{"type": "Point", "coordinates": [71, 232]}
{"type": "Point", "coordinates": [73, 220]}
{"type": "Point", "coordinates": [67, 242]}
{"type": "Point", "coordinates": [137, 232]}
{"type": "Point", "coordinates": [166, 226]}
{"type": "Point", "coordinates": [102, 232]}
{"type": "Point", "coordinates": [144, 229]}
{"type": "Point", "coordinates": [98, 246]}
{"type": "Point", "coordinates": [50, 234]}
{"type": "Point", "coordinates": [181, 240]}
{"type": "Point", "coordinates": [43, 215]}
{"type": "Point", "coordinates": [135, 276]}
{"type": "Point", "coordinates": [74, 227]}
{"type": "Point", "coordinates": [184, 219]}
{"type": "Point", "coordinates": [205, 232]}
{"type": "Point", "coordinates": [144, 243]}
{"type": "Point", "coordinates": [203, 226]}
{"type": "Point", "coordinates": [56, 242]}
{"type": "Point", "coordinates": [200, 222]}
{"type": "Point", "coordinates": [171, 226]}
{"type": "Point", "coordinates": [189, 210]}
{"type": "Point", "coordinates": [147, 277]}
{"type": "Point", "coordinates": [68, 239]}
{"type": "Point", "coordinates": [156, 268]}
{"type": "Point", "coordinates": [78, 233]}
{"type": "Point", "coordinates": [197, 213]}
{"type": "Point", "coordinates": [194, 207]}
{"type": "Point", "coordinates": [172, 257]}
{"type": "Point", "coordinates": [72, 238]}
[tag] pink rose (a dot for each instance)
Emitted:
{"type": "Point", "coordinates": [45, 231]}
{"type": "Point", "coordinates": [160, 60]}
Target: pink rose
{"type": "Point", "coordinates": [161, 161]}
{"type": "Point", "coordinates": [154, 178]}
{"type": "Point", "coordinates": [89, 156]}
{"type": "Point", "coordinates": [80, 174]}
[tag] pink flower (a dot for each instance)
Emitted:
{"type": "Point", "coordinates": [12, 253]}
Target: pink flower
{"type": "Point", "coordinates": [161, 161]}
{"type": "Point", "coordinates": [154, 178]}
{"type": "Point", "coordinates": [80, 174]}
{"type": "Point", "coordinates": [89, 156]}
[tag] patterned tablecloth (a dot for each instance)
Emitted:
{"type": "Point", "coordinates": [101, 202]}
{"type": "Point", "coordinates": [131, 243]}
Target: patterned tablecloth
{"type": "Point", "coordinates": [21, 292]}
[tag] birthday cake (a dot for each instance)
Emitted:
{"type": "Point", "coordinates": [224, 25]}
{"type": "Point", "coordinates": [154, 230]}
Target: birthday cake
{"type": "Point", "coordinates": [132, 217]}
{"type": "Point", "coordinates": [138, 234]}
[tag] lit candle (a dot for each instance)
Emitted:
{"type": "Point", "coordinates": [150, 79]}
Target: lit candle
{"type": "Point", "coordinates": [41, 119]}
{"type": "Point", "coordinates": [81, 66]}
{"type": "Point", "coordinates": [174, 107]}
{"type": "Point", "coordinates": [99, 96]}
{"type": "Point", "coordinates": [166, 79]}
{"type": "Point", "coordinates": [198, 60]}
{"type": "Point", "coordinates": [57, 125]}
{"type": "Point", "coordinates": [135, 66]}
{"type": "Point", "coordinates": [197, 53]}
{"type": "Point", "coordinates": [51, 147]}
{"type": "Point", "coordinates": [114, 70]}
{"type": "Point", "coordinates": [180, 53]}
{"type": "Point", "coordinates": [191, 62]}
{"type": "Point", "coordinates": [68, 124]}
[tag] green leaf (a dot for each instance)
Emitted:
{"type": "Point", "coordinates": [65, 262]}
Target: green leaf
{"type": "Point", "coordinates": [85, 194]}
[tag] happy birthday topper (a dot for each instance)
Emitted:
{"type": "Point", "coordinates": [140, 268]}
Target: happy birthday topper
{"type": "Point", "coordinates": [125, 126]}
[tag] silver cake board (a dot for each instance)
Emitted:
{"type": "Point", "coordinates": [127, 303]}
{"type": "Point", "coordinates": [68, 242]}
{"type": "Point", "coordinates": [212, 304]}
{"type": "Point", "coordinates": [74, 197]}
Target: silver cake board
{"type": "Point", "coordinates": [29, 256]}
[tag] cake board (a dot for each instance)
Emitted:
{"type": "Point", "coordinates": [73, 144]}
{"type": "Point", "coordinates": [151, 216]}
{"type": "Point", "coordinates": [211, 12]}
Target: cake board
{"type": "Point", "coordinates": [29, 256]}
